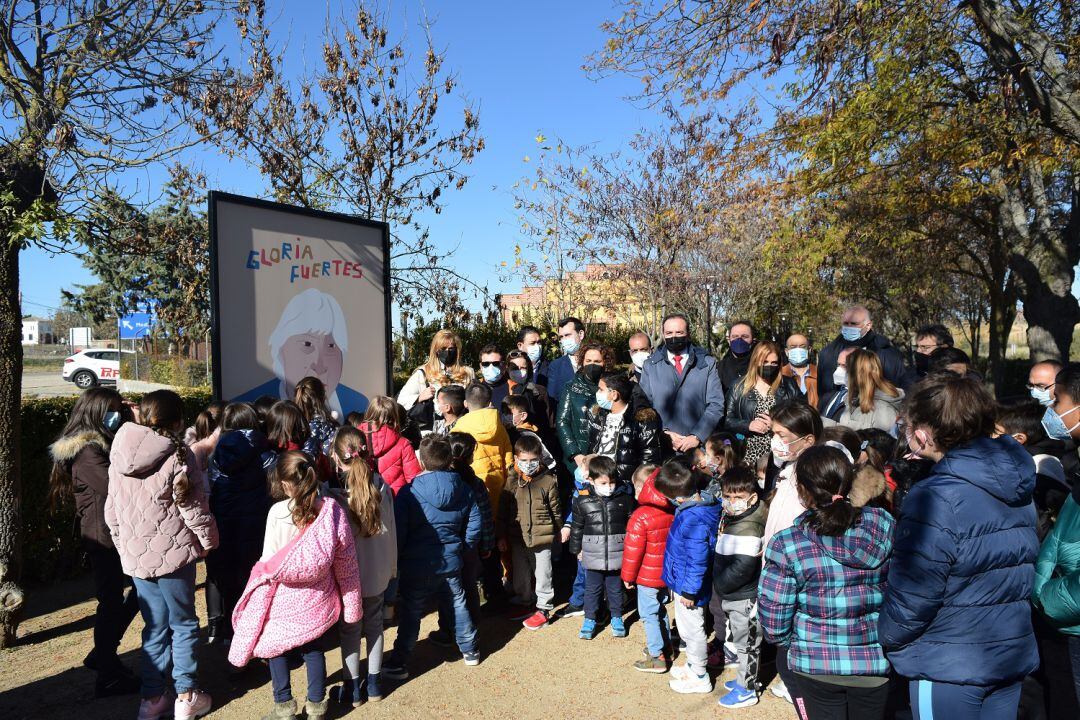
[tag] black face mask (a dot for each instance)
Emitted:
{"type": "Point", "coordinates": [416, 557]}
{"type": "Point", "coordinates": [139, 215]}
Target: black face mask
{"type": "Point", "coordinates": [677, 345]}
{"type": "Point", "coordinates": [922, 363]}
{"type": "Point", "coordinates": [447, 356]}
{"type": "Point", "coordinates": [592, 373]}
{"type": "Point", "coordinates": [768, 373]}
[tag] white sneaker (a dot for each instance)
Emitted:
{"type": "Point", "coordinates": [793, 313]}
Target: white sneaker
{"type": "Point", "coordinates": [779, 689]}
{"type": "Point", "coordinates": [678, 672]}
{"type": "Point", "coordinates": [691, 683]}
{"type": "Point", "coordinates": [196, 707]}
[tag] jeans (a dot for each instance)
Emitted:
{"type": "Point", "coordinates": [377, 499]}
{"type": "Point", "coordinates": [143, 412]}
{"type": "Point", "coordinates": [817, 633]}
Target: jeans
{"type": "Point", "coordinates": [650, 604]}
{"type": "Point", "coordinates": [577, 594]}
{"type": "Point", "coordinates": [829, 701]}
{"type": "Point", "coordinates": [741, 620]}
{"type": "Point", "coordinates": [600, 582]}
{"type": "Point", "coordinates": [945, 701]}
{"type": "Point", "coordinates": [532, 576]}
{"type": "Point", "coordinates": [691, 623]}
{"type": "Point", "coordinates": [115, 607]}
{"type": "Point", "coordinates": [370, 629]}
{"type": "Point", "coordinates": [314, 663]}
{"type": "Point", "coordinates": [414, 592]}
{"type": "Point", "coordinates": [170, 632]}
{"type": "Point", "coordinates": [471, 569]}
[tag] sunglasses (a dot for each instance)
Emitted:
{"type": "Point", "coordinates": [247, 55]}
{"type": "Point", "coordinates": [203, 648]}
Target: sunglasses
{"type": "Point", "coordinates": [491, 364]}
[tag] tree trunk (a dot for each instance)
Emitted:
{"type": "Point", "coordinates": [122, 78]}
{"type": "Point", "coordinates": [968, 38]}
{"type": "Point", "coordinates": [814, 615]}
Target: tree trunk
{"type": "Point", "coordinates": [11, 595]}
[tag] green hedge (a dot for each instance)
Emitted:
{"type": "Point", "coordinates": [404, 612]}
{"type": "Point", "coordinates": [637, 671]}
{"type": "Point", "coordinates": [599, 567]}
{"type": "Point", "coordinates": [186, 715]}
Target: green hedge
{"type": "Point", "coordinates": [164, 369]}
{"type": "Point", "coordinates": [51, 548]}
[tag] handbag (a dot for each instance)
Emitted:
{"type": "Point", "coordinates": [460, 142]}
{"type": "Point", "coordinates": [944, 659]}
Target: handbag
{"type": "Point", "coordinates": [422, 413]}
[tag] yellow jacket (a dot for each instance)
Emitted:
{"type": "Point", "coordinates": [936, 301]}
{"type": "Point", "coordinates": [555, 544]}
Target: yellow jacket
{"type": "Point", "coordinates": [494, 455]}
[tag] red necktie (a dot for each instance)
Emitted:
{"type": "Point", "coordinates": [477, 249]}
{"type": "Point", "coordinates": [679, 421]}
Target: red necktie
{"type": "Point", "coordinates": [677, 359]}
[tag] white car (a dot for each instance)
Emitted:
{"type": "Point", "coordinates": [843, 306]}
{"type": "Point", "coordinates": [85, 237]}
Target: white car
{"type": "Point", "coordinates": [92, 367]}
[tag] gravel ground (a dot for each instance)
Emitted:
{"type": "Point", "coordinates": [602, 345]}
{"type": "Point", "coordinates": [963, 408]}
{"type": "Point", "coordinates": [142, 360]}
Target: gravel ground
{"type": "Point", "coordinates": [546, 674]}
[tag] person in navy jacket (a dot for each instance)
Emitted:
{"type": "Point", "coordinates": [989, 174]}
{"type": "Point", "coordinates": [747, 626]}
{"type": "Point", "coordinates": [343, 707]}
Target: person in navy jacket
{"type": "Point", "coordinates": [956, 619]}
{"type": "Point", "coordinates": [562, 370]}
{"type": "Point", "coordinates": [530, 343]}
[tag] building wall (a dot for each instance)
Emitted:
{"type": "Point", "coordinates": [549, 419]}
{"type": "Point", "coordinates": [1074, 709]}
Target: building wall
{"type": "Point", "coordinates": [37, 332]}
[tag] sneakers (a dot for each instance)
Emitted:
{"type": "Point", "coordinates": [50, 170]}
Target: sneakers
{"type": "Point", "coordinates": [196, 707]}
{"type": "Point", "coordinates": [472, 659]}
{"type": "Point", "coordinates": [651, 664]}
{"type": "Point", "coordinates": [588, 629]}
{"type": "Point", "coordinates": [730, 684]}
{"type": "Point", "coordinates": [520, 612]}
{"type": "Point", "coordinates": [618, 629]}
{"type": "Point", "coordinates": [315, 710]}
{"type": "Point", "coordinates": [441, 638]}
{"type": "Point", "coordinates": [155, 708]}
{"type": "Point", "coordinates": [688, 682]}
{"type": "Point", "coordinates": [738, 697]}
{"type": "Point", "coordinates": [282, 711]}
{"type": "Point", "coordinates": [779, 689]}
{"type": "Point", "coordinates": [393, 671]}
{"type": "Point", "coordinates": [536, 621]}
{"type": "Point", "coordinates": [374, 689]}
{"type": "Point", "coordinates": [571, 611]}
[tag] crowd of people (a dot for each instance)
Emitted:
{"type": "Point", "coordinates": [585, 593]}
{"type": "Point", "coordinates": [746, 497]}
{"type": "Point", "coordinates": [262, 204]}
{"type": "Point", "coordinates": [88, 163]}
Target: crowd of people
{"type": "Point", "coordinates": [888, 535]}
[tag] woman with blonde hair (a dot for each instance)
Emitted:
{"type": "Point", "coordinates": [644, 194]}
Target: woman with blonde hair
{"type": "Point", "coordinates": [749, 406]}
{"type": "Point", "coordinates": [873, 401]}
{"type": "Point", "coordinates": [443, 367]}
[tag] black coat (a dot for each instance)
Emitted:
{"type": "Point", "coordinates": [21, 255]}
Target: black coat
{"type": "Point", "coordinates": [892, 362]}
{"type": "Point", "coordinates": [731, 370]}
{"type": "Point", "coordinates": [637, 443]}
{"type": "Point", "coordinates": [599, 528]}
{"type": "Point", "coordinates": [741, 407]}
{"type": "Point", "coordinates": [239, 496]}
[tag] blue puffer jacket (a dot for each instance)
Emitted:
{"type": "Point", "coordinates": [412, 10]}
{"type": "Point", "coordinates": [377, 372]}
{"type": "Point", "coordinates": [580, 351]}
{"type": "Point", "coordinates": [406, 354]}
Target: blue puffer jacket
{"type": "Point", "coordinates": [436, 519]}
{"type": "Point", "coordinates": [239, 496]}
{"type": "Point", "coordinates": [691, 403]}
{"type": "Point", "coordinates": [957, 604]}
{"type": "Point", "coordinates": [689, 552]}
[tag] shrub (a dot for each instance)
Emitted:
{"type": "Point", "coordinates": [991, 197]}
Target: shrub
{"type": "Point", "coordinates": [51, 547]}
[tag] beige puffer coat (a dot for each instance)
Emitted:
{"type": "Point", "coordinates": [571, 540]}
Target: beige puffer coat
{"type": "Point", "coordinates": [154, 535]}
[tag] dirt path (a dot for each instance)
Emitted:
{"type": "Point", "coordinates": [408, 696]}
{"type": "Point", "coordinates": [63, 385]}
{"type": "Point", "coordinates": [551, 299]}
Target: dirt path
{"type": "Point", "coordinates": [547, 674]}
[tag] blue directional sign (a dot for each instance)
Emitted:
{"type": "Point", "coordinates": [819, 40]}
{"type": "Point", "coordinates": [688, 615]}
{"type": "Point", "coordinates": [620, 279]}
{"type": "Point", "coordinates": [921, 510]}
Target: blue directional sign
{"type": "Point", "coordinates": [135, 325]}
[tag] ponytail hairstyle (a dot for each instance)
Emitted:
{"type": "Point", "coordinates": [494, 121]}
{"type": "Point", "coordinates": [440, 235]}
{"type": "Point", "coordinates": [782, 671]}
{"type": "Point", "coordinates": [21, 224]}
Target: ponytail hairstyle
{"type": "Point", "coordinates": [727, 450]}
{"type": "Point", "coordinates": [823, 476]}
{"type": "Point", "coordinates": [285, 424]}
{"type": "Point", "coordinates": [296, 468]}
{"type": "Point", "coordinates": [310, 397]}
{"type": "Point", "coordinates": [87, 416]}
{"type": "Point", "coordinates": [207, 421]}
{"type": "Point", "coordinates": [163, 412]}
{"type": "Point", "coordinates": [365, 500]}
{"type": "Point", "coordinates": [462, 447]}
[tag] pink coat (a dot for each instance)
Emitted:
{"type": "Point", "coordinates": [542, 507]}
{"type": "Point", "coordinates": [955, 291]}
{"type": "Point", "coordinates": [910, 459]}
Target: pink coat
{"type": "Point", "coordinates": [297, 595]}
{"type": "Point", "coordinates": [153, 534]}
{"type": "Point", "coordinates": [396, 460]}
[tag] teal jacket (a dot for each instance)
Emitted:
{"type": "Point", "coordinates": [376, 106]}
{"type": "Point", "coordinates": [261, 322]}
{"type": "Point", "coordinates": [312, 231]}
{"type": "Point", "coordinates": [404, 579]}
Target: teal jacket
{"type": "Point", "coordinates": [1057, 571]}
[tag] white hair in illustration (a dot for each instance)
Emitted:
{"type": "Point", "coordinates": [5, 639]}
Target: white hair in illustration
{"type": "Point", "coordinates": [311, 311]}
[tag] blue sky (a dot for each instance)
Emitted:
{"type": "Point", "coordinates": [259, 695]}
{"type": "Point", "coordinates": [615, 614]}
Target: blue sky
{"type": "Point", "coordinates": [520, 63]}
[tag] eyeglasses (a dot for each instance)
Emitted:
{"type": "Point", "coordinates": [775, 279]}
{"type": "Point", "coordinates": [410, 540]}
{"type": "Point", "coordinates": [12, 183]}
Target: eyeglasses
{"type": "Point", "coordinates": [1039, 386]}
{"type": "Point", "coordinates": [927, 349]}
{"type": "Point", "coordinates": [491, 363]}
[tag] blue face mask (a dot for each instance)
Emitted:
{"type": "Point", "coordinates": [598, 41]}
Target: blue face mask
{"type": "Point", "coordinates": [851, 334]}
{"type": "Point", "coordinates": [1043, 396]}
{"type": "Point", "coordinates": [603, 400]}
{"type": "Point", "coordinates": [518, 376]}
{"type": "Point", "coordinates": [112, 421]}
{"type": "Point", "coordinates": [533, 352]}
{"type": "Point", "coordinates": [569, 345]}
{"type": "Point", "coordinates": [798, 356]}
{"type": "Point", "coordinates": [1055, 426]}
{"type": "Point", "coordinates": [491, 373]}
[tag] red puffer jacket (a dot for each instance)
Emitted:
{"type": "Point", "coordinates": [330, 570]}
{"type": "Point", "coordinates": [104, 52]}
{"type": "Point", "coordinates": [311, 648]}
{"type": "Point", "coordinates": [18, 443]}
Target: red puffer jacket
{"type": "Point", "coordinates": [646, 537]}
{"type": "Point", "coordinates": [394, 455]}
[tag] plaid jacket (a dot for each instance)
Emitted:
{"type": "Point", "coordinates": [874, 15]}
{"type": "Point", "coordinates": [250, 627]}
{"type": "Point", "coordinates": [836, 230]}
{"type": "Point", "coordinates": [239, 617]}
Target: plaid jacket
{"type": "Point", "coordinates": [820, 596]}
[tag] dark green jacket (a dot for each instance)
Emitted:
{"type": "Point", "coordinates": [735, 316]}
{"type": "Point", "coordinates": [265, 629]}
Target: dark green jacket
{"type": "Point", "coordinates": [572, 420]}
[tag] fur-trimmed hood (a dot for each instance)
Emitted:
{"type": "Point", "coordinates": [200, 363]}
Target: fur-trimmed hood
{"type": "Point", "coordinates": [868, 484]}
{"type": "Point", "coordinates": [67, 448]}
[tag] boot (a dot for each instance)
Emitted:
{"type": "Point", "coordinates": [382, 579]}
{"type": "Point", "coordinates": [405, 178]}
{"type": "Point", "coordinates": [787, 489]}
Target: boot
{"type": "Point", "coordinates": [315, 711]}
{"type": "Point", "coordinates": [282, 711]}
{"type": "Point", "coordinates": [374, 687]}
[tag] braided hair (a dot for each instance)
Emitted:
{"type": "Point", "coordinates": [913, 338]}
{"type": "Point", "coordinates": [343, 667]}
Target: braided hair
{"type": "Point", "coordinates": [163, 412]}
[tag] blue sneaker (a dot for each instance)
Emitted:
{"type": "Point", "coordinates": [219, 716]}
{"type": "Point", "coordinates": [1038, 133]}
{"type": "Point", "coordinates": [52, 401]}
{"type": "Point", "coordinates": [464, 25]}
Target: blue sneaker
{"type": "Point", "coordinates": [618, 629]}
{"type": "Point", "coordinates": [730, 684]}
{"type": "Point", "coordinates": [738, 697]}
{"type": "Point", "coordinates": [588, 629]}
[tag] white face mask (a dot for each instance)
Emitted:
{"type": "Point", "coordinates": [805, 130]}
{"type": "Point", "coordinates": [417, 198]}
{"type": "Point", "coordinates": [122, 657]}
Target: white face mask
{"type": "Point", "coordinates": [736, 507]}
{"type": "Point", "coordinates": [639, 358]}
{"type": "Point", "coordinates": [605, 490]}
{"type": "Point", "coordinates": [839, 376]}
{"type": "Point", "coordinates": [528, 467]}
{"type": "Point", "coordinates": [781, 450]}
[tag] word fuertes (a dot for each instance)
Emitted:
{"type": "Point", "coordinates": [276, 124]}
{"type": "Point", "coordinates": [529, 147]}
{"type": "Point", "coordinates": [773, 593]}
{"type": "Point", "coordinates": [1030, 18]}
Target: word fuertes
{"type": "Point", "coordinates": [301, 258]}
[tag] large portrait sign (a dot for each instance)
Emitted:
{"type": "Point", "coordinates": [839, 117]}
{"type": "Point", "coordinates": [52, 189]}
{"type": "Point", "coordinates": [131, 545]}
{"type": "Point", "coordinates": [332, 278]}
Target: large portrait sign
{"type": "Point", "coordinates": [298, 292]}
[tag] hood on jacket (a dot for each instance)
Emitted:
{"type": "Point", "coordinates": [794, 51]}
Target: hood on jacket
{"type": "Point", "coordinates": [382, 439]}
{"type": "Point", "coordinates": [706, 499]}
{"type": "Point", "coordinates": [138, 450]}
{"type": "Point", "coordinates": [868, 484]}
{"type": "Point", "coordinates": [1000, 466]}
{"type": "Point", "coordinates": [865, 546]}
{"type": "Point", "coordinates": [237, 449]}
{"type": "Point", "coordinates": [649, 495]}
{"type": "Point", "coordinates": [437, 489]}
{"type": "Point", "coordinates": [65, 449]}
{"type": "Point", "coordinates": [481, 424]}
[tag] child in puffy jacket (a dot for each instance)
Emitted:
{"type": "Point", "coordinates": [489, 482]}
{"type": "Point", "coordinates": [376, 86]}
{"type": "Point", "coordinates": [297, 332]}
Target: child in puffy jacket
{"type": "Point", "coordinates": [160, 523]}
{"type": "Point", "coordinates": [643, 563]}
{"type": "Point", "coordinates": [736, 569]}
{"type": "Point", "coordinates": [305, 582]}
{"type": "Point", "coordinates": [394, 457]}
{"type": "Point", "coordinates": [462, 446]}
{"type": "Point", "coordinates": [688, 567]}
{"type": "Point", "coordinates": [597, 535]}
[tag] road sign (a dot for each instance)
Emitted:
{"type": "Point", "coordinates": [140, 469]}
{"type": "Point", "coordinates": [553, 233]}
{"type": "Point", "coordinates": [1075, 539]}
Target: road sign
{"type": "Point", "coordinates": [135, 325]}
